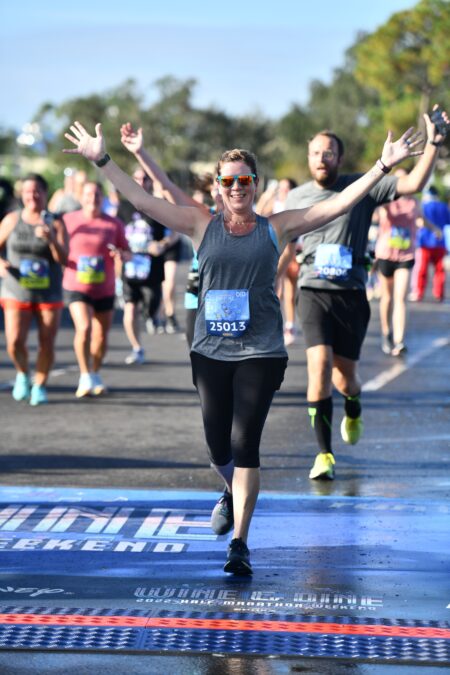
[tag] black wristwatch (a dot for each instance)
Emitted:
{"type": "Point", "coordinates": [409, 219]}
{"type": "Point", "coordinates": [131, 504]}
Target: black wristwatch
{"type": "Point", "coordinates": [104, 160]}
{"type": "Point", "coordinates": [382, 166]}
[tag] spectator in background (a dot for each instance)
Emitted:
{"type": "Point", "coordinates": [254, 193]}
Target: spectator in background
{"type": "Point", "coordinates": [431, 248]}
{"type": "Point", "coordinates": [68, 198]}
{"type": "Point", "coordinates": [8, 202]}
{"type": "Point", "coordinates": [394, 252]}
{"type": "Point", "coordinates": [274, 197]}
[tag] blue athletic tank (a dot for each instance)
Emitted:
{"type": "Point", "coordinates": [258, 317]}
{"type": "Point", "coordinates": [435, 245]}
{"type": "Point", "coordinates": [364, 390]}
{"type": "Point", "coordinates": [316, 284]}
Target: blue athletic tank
{"type": "Point", "coordinates": [239, 313]}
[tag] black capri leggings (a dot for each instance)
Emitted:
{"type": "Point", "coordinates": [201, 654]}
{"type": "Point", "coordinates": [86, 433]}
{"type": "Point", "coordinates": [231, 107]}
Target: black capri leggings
{"type": "Point", "coordinates": [235, 398]}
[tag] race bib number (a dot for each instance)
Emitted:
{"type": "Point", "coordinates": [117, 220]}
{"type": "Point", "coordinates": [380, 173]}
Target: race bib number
{"type": "Point", "coordinates": [138, 267]}
{"type": "Point", "coordinates": [91, 269]}
{"type": "Point", "coordinates": [227, 313]}
{"type": "Point", "coordinates": [34, 274]}
{"type": "Point", "coordinates": [400, 238]}
{"type": "Point", "coordinates": [333, 261]}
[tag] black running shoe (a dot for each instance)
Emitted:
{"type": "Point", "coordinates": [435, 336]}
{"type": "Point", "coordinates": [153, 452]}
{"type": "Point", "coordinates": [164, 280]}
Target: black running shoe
{"type": "Point", "coordinates": [387, 344]}
{"type": "Point", "coordinates": [238, 559]}
{"type": "Point", "coordinates": [222, 519]}
{"type": "Point", "coordinates": [172, 325]}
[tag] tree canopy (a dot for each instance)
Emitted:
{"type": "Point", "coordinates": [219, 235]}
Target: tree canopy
{"type": "Point", "coordinates": [387, 80]}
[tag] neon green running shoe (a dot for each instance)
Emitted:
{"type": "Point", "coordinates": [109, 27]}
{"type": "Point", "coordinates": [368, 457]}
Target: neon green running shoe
{"type": "Point", "coordinates": [323, 468]}
{"type": "Point", "coordinates": [351, 429]}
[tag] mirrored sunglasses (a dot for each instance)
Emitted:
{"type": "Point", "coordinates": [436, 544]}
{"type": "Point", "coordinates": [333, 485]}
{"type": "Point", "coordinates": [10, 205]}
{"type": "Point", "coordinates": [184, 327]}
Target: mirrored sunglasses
{"type": "Point", "coordinates": [244, 180]}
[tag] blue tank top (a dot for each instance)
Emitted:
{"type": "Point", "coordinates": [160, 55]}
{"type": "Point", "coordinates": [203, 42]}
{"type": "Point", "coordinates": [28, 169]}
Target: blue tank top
{"type": "Point", "coordinates": [239, 314]}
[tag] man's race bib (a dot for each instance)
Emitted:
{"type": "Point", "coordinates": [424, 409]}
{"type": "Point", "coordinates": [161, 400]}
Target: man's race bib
{"type": "Point", "coordinates": [400, 238]}
{"type": "Point", "coordinates": [138, 267]}
{"type": "Point", "coordinates": [91, 269]}
{"type": "Point", "coordinates": [34, 274]}
{"type": "Point", "coordinates": [227, 313]}
{"type": "Point", "coordinates": [333, 261]}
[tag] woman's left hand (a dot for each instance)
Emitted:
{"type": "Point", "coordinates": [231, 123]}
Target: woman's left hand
{"type": "Point", "coordinates": [44, 232]}
{"type": "Point", "coordinates": [395, 152]}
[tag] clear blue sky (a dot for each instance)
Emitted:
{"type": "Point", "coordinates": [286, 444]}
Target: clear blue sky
{"type": "Point", "coordinates": [245, 55]}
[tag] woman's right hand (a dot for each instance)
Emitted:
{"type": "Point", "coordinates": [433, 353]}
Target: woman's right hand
{"type": "Point", "coordinates": [90, 147]}
{"type": "Point", "coordinates": [131, 139]}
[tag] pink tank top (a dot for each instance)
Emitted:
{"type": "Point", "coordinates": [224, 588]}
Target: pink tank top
{"type": "Point", "coordinates": [90, 267]}
{"type": "Point", "coordinates": [397, 230]}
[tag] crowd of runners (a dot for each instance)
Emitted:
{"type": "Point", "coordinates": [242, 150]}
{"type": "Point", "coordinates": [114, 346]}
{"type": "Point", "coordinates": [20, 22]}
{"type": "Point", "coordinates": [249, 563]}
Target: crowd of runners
{"type": "Point", "coordinates": [307, 245]}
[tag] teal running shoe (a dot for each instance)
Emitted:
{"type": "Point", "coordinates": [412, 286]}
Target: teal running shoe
{"type": "Point", "coordinates": [22, 386]}
{"type": "Point", "coordinates": [38, 395]}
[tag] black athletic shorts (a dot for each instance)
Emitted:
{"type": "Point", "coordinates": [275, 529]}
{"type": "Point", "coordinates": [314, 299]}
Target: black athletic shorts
{"type": "Point", "coordinates": [388, 267]}
{"type": "Point", "coordinates": [136, 292]}
{"type": "Point", "coordinates": [99, 304]}
{"type": "Point", "coordinates": [173, 252]}
{"type": "Point", "coordinates": [335, 318]}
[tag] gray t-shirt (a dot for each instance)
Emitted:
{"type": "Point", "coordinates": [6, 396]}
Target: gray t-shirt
{"type": "Point", "coordinates": [236, 294]}
{"type": "Point", "coordinates": [348, 233]}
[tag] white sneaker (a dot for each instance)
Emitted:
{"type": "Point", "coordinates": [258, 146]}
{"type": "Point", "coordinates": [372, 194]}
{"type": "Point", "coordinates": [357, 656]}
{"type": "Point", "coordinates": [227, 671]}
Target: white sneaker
{"type": "Point", "coordinates": [150, 327]}
{"type": "Point", "coordinates": [136, 356]}
{"type": "Point", "coordinates": [85, 385]}
{"type": "Point", "coordinates": [289, 336]}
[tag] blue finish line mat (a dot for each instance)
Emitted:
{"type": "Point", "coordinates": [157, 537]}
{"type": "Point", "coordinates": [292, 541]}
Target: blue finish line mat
{"type": "Point", "coordinates": [141, 571]}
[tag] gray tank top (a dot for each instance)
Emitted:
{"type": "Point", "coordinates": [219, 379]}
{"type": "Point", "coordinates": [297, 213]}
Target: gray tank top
{"type": "Point", "coordinates": [34, 276]}
{"type": "Point", "coordinates": [239, 313]}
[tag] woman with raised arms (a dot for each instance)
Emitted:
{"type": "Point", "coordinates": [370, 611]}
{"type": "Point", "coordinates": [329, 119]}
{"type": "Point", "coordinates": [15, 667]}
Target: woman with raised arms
{"type": "Point", "coordinates": [238, 354]}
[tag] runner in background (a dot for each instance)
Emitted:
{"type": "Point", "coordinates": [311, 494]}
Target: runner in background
{"type": "Point", "coordinates": [142, 276]}
{"type": "Point", "coordinates": [333, 306]}
{"type": "Point", "coordinates": [394, 254]}
{"type": "Point", "coordinates": [273, 200]}
{"type": "Point", "coordinates": [95, 239]}
{"type": "Point", "coordinates": [36, 248]}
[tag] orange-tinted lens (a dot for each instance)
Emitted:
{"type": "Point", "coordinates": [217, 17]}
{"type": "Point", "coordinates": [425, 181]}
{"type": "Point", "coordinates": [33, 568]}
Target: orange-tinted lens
{"type": "Point", "coordinates": [226, 181]}
{"type": "Point", "coordinates": [245, 180]}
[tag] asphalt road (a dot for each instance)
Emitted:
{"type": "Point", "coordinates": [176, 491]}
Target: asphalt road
{"type": "Point", "coordinates": [147, 431]}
